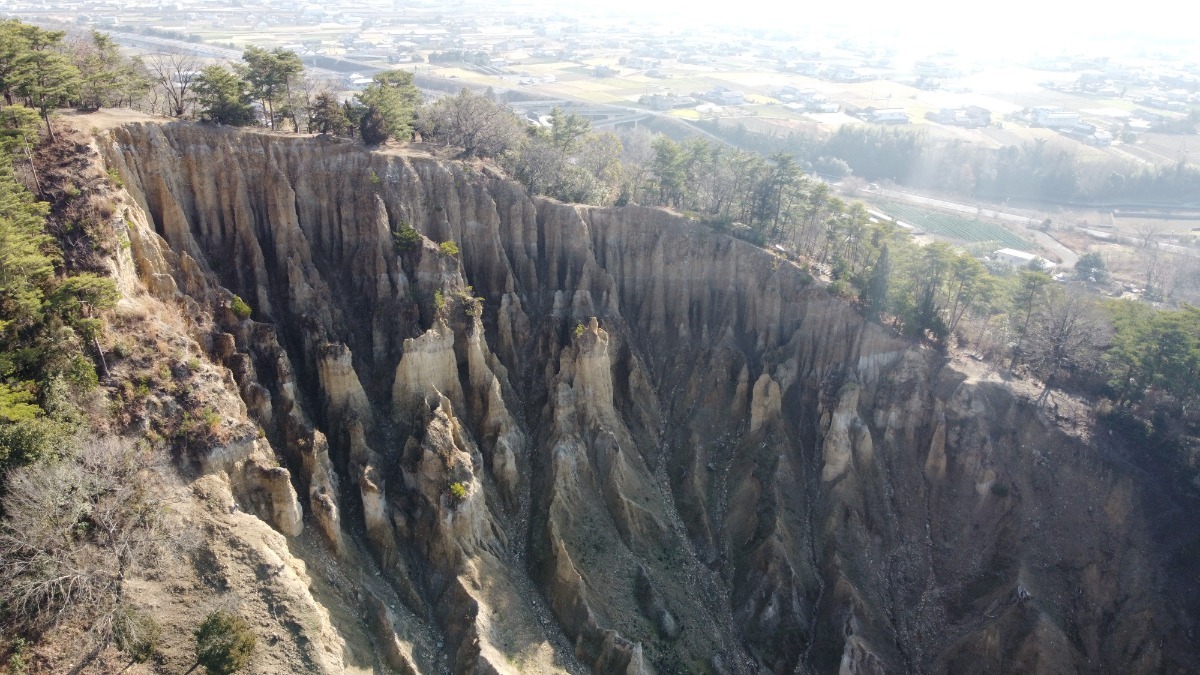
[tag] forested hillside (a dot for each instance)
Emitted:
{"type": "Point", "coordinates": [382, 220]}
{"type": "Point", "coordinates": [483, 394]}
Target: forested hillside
{"type": "Point", "coordinates": [1036, 171]}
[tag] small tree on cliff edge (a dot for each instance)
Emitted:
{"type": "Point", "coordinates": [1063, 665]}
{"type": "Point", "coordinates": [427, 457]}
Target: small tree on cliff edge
{"type": "Point", "coordinates": [328, 116]}
{"type": "Point", "coordinates": [270, 75]}
{"type": "Point", "coordinates": [478, 125]}
{"type": "Point", "coordinates": [390, 104]}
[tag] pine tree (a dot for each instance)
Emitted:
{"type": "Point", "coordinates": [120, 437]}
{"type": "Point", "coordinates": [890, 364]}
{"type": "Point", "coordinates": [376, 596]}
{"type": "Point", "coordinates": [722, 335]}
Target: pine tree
{"type": "Point", "coordinates": [270, 75]}
{"type": "Point", "coordinates": [101, 69]}
{"type": "Point", "coordinates": [875, 295]}
{"type": "Point", "coordinates": [45, 76]}
{"type": "Point", "coordinates": [327, 116]}
{"type": "Point", "coordinates": [18, 129]}
{"type": "Point", "coordinates": [25, 267]}
{"type": "Point", "coordinates": [373, 128]}
{"type": "Point", "coordinates": [926, 318]}
{"type": "Point", "coordinates": [43, 326]}
{"type": "Point", "coordinates": [354, 115]}
{"type": "Point", "coordinates": [567, 129]}
{"type": "Point", "coordinates": [1031, 284]}
{"type": "Point", "coordinates": [390, 105]}
{"type": "Point", "coordinates": [223, 97]}
{"type": "Point", "coordinates": [14, 42]}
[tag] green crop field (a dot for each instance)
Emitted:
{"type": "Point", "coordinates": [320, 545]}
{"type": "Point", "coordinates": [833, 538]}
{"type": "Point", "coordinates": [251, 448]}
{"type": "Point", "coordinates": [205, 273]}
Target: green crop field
{"type": "Point", "coordinates": [959, 228]}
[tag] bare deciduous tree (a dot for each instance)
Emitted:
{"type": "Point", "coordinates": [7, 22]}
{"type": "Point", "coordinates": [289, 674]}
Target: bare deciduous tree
{"type": "Point", "coordinates": [600, 155]}
{"type": "Point", "coordinates": [303, 99]}
{"type": "Point", "coordinates": [1161, 270]}
{"type": "Point", "coordinates": [472, 122]}
{"type": "Point", "coordinates": [637, 153]}
{"type": "Point", "coordinates": [1146, 232]}
{"type": "Point", "coordinates": [174, 74]}
{"type": "Point", "coordinates": [1064, 337]}
{"type": "Point", "coordinates": [75, 529]}
{"type": "Point", "coordinates": [1174, 274]}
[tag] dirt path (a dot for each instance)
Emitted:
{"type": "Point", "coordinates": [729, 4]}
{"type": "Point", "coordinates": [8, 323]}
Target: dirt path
{"type": "Point", "coordinates": [1066, 257]}
{"type": "Point", "coordinates": [110, 118]}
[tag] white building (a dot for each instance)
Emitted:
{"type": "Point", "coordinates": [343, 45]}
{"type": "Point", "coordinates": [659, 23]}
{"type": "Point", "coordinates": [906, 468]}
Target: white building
{"type": "Point", "coordinates": [889, 116]}
{"type": "Point", "coordinates": [732, 98]}
{"type": "Point", "coordinates": [1054, 117]}
{"type": "Point", "coordinates": [1015, 258]}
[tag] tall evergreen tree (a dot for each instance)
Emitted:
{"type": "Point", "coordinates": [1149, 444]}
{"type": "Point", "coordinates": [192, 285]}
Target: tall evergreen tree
{"type": "Point", "coordinates": [101, 69]}
{"type": "Point", "coordinates": [354, 115]}
{"type": "Point", "coordinates": [567, 129]}
{"type": "Point", "coordinates": [270, 75]}
{"type": "Point", "coordinates": [224, 97]}
{"type": "Point", "coordinates": [875, 295]}
{"type": "Point", "coordinates": [44, 76]}
{"type": "Point", "coordinates": [1031, 285]}
{"type": "Point", "coordinates": [14, 42]}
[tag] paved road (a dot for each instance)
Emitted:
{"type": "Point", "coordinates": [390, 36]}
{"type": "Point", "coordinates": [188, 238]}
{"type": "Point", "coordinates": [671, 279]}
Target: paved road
{"type": "Point", "coordinates": [1129, 241]}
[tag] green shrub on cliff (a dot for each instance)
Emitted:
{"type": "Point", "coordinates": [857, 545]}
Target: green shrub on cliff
{"type": "Point", "coordinates": [405, 238]}
{"type": "Point", "coordinates": [241, 309]}
{"type": "Point", "coordinates": [136, 633]}
{"type": "Point", "coordinates": [224, 643]}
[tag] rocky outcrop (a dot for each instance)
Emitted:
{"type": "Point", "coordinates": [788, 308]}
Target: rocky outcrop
{"type": "Point", "coordinates": [614, 440]}
{"type": "Point", "coordinates": [268, 492]}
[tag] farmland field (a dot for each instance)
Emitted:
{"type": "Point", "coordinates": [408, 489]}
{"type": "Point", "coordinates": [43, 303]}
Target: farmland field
{"type": "Point", "coordinates": [958, 228]}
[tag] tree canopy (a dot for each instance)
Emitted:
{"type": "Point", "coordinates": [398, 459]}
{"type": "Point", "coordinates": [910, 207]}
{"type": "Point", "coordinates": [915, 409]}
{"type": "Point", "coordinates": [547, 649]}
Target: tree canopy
{"type": "Point", "coordinates": [473, 122]}
{"type": "Point", "coordinates": [327, 116]}
{"type": "Point", "coordinates": [106, 77]}
{"type": "Point", "coordinates": [271, 75]}
{"type": "Point", "coordinates": [44, 70]}
{"type": "Point", "coordinates": [1091, 267]}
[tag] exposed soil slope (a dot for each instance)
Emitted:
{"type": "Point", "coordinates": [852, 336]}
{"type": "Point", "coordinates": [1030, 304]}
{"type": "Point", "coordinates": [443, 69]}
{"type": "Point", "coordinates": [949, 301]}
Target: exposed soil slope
{"type": "Point", "coordinates": [613, 440]}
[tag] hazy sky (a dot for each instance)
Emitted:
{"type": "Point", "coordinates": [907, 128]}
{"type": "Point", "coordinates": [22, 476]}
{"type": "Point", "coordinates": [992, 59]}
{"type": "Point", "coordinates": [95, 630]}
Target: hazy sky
{"type": "Point", "coordinates": [997, 27]}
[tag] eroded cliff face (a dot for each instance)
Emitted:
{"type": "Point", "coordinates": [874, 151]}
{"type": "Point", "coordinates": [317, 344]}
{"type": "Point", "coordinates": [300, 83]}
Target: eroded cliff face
{"type": "Point", "coordinates": [611, 440]}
